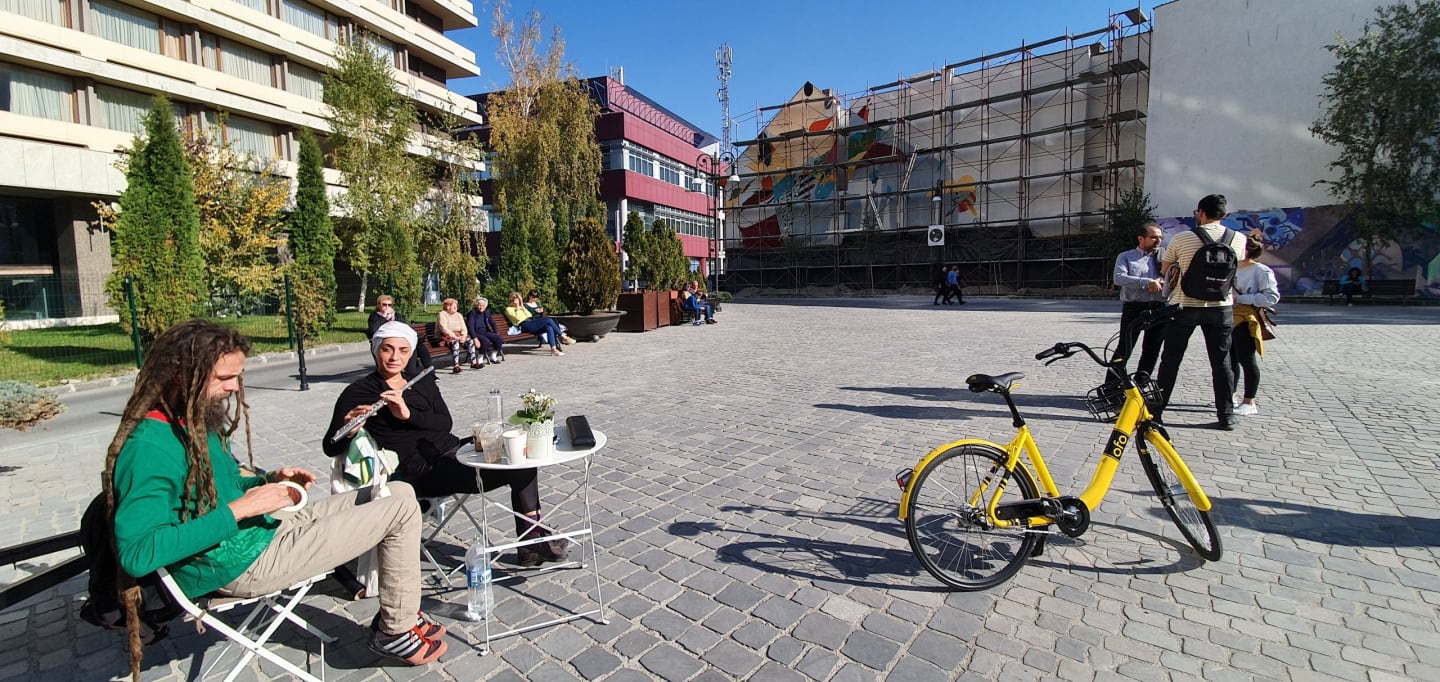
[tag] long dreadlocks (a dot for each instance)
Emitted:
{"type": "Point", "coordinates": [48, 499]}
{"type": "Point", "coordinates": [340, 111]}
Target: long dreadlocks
{"type": "Point", "coordinates": [174, 380]}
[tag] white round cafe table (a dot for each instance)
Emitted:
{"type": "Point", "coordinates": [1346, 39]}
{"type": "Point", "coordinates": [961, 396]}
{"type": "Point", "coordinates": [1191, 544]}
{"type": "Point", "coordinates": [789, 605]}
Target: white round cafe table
{"type": "Point", "coordinates": [581, 534]}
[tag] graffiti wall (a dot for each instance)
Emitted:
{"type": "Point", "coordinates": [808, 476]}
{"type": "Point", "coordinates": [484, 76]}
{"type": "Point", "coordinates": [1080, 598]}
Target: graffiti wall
{"type": "Point", "coordinates": [1306, 246]}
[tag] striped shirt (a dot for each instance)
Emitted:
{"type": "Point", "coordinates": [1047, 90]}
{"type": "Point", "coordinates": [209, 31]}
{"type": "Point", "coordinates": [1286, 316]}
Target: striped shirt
{"type": "Point", "coordinates": [1181, 250]}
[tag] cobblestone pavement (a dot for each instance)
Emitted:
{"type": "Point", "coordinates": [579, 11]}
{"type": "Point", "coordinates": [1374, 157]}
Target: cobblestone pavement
{"type": "Point", "coordinates": [745, 508]}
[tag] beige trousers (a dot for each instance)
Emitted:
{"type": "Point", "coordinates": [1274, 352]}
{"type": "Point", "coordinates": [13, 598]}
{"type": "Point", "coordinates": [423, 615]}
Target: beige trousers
{"type": "Point", "coordinates": [333, 530]}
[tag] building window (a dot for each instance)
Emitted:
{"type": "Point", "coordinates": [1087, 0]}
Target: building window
{"type": "Point", "coordinates": [669, 174]}
{"type": "Point", "coordinates": [48, 11]}
{"type": "Point", "coordinates": [426, 70]}
{"type": "Point", "coordinates": [382, 47]}
{"type": "Point", "coordinates": [173, 41]}
{"type": "Point", "coordinates": [249, 136]}
{"type": "Point", "coordinates": [305, 16]}
{"type": "Point", "coordinates": [39, 94]}
{"type": "Point", "coordinates": [121, 109]}
{"type": "Point", "coordinates": [245, 62]}
{"type": "Point", "coordinates": [27, 233]}
{"type": "Point", "coordinates": [419, 14]}
{"type": "Point", "coordinates": [305, 81]}
{"type": "Point", "coordinates": [641, 163]}
{"type": "Point", "coordinates": [127, 26]}
{"type": "Point", "coordinates": [257, 5]}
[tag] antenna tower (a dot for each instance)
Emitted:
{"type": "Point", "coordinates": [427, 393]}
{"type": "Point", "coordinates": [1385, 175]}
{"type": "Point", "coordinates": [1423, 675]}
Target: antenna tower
{"type": "Point", "coordinates": [722, 60]}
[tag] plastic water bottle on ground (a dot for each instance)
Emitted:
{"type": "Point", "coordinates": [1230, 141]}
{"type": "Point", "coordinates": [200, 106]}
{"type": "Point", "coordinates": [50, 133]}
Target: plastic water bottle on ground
{"type": "Point", "coordinates": [477, 582]}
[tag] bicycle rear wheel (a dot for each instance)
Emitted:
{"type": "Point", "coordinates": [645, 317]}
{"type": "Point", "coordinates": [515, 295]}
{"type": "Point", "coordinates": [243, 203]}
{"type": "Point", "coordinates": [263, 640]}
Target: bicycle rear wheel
{"type": "Point", "coordinates": [1194, 524]}
{"type": "Point", "coordinates": [946, 523]}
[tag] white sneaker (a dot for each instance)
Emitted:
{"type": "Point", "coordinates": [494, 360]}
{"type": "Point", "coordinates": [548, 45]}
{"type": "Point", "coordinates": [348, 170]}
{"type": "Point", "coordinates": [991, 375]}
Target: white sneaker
{"type": "Point", "coordinates": [1247, 409]}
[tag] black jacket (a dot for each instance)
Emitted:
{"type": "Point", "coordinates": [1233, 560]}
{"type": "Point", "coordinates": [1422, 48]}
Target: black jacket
{"type": "Point", "coordinates": [419, 442]}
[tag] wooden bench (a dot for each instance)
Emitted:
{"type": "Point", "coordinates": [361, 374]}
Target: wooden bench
{"type": "Point", "coordinates": [1392, 289]}
{"type": "Point", "coordinates": [434, 342]}
{"type": "Point", "coordinates": [680, 313]}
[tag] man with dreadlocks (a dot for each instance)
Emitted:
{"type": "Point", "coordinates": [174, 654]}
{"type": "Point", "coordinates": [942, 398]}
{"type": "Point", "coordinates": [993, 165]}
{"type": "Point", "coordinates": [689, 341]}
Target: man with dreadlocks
{"type": "Point", "coordinates": [180, 501]}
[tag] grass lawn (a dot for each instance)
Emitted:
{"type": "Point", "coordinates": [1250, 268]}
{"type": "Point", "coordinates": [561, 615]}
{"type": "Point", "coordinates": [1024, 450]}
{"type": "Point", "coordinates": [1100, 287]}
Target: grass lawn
{"type": "Point", "coordinates": [46, 357]}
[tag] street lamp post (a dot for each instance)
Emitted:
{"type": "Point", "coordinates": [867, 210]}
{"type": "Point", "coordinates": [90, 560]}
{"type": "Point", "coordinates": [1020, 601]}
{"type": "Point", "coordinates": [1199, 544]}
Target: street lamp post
{"type": "Point", "coordinates": [713, 166]}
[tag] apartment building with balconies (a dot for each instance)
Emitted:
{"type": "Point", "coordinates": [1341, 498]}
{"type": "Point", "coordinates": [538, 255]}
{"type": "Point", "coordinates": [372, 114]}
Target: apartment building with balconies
{"type": "Point", "coordinates": [77, 75]}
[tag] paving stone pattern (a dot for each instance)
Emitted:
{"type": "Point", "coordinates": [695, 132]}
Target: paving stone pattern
{"type": "Point", "coordinates": [745, 509]}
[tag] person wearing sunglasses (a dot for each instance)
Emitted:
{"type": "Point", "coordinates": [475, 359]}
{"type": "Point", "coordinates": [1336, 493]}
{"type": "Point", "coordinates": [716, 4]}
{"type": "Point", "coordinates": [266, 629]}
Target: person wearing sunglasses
{"type": "Point", "coordinates": [385, 312]}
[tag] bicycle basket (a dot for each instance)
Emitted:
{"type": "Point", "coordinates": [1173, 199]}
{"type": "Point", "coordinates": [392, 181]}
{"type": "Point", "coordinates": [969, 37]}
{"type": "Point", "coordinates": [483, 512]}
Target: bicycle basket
{"type": "Point", "coordinates": [1104, 401]}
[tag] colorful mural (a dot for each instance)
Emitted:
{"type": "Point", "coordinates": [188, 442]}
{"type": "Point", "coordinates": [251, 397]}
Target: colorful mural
{"type": "Point", "coordinates": [785, 167]}
{"type": "Point", "coordinates": [1306, 246]}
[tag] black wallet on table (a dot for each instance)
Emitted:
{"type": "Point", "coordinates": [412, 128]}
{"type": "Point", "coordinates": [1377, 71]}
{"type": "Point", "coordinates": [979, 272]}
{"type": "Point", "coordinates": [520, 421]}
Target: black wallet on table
{"type": "Point", "coordinates": [579, 428]}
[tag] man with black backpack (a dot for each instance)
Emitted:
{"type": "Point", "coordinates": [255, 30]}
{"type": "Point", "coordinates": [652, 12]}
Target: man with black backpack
{"type": "Point", "coordinates": [1200, 268]}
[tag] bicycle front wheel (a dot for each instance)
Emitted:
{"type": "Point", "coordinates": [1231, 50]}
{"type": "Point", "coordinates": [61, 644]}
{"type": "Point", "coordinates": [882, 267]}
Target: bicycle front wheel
{"type": "Point", "coordinates": [947, 524]}
{"type": "Point", "coordinates": [1193, 523]}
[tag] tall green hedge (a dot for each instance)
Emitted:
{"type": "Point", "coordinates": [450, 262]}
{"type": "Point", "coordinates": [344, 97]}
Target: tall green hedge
{"type": "Point", "coordinates": [312, 235]}
{"type": "Point", "coordinates": [157, 235]}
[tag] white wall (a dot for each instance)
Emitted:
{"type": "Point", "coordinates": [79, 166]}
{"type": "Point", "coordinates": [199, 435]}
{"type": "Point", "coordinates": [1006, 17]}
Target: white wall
{"type": "Point", "coordinates": [1235, 86]}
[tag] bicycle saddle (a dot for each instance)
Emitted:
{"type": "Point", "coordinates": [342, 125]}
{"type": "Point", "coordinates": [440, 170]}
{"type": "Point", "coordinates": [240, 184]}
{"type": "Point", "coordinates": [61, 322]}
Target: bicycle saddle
{"type": "Point", "coordinates": [980, 383]}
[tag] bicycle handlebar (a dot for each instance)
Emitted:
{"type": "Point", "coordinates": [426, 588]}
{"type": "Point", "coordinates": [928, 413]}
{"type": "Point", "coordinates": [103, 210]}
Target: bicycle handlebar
{"type": "Point", "coordinates": [1063, 350]}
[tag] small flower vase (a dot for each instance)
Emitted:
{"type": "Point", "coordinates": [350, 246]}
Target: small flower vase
{"type": "Point", "coordinates": [540, 440]}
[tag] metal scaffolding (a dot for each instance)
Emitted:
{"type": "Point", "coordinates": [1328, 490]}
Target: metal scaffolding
{"type": "Point", "coordinates": [1017, 155]}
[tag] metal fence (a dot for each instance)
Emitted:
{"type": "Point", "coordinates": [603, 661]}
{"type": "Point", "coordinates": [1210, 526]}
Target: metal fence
{"type": "Point", "coordinates": [59, 328]}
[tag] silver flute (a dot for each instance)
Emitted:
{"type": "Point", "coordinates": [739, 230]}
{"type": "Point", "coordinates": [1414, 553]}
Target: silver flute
{"type": "Point", "coordinates": [355, 423]}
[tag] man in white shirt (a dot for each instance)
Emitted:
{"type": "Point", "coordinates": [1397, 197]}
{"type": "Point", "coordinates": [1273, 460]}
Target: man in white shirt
{"type": "Point", "coordinates": [1212, 317]}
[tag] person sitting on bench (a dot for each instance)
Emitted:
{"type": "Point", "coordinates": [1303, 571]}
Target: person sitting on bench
{"type": "Point", "coordinates": [1351, 284]}
{"type": "Point", "coordinates": [693, 299]}
{"type": "Point", "coordinates": [180, 502]}
{"type": "Point", "coordinates": [539, 325]}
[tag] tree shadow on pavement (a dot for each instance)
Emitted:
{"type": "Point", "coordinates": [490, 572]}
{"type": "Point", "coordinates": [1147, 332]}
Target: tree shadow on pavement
{"type": "Point", "coordinates": [1329, 526]}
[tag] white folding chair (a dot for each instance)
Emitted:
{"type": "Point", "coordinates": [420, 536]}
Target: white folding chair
{"type": "Point", "coordinates": [442, 510]}
{"type": "Point", "coordinates": [257, 627]}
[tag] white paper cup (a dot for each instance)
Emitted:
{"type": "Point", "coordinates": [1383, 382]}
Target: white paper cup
{"type": "Point", "coordinates": [514, 446]}
{"type": "Point", "coordinates": [303, 497]}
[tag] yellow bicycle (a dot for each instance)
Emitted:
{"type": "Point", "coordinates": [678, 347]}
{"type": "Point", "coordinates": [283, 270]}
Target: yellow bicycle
{"type": "Point", "coordinates": [973, 510]}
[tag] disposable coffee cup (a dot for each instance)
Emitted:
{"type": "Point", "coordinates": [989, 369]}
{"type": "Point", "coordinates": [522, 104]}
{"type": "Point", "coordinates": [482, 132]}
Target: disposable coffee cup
{"type": "Point", "coordinates": [297, 496]}
{"type": "Point", "coordinates": [490, 442]}
{"type": "Point", "coordinates": [514, 446]}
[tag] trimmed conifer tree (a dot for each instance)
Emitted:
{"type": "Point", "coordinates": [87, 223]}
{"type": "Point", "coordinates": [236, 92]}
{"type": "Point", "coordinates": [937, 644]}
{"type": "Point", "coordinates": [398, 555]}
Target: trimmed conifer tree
{"type": "Point", "coordinates": [589, 269]}
{"type": "Point", "coordinates": [636, 245]}
{"type": "Point", "coordinates": [157, 234]}
{"type": "Point", "coordinates": [312, 235]}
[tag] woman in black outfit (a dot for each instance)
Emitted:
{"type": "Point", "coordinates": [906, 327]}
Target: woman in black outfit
{"type": "Point", "coordinates": [416, 425]}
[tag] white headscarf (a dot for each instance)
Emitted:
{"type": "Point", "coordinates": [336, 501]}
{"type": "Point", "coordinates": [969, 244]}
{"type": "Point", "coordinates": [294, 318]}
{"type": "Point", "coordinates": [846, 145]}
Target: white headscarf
{"type": "Point", "coordinates": [392, 330]}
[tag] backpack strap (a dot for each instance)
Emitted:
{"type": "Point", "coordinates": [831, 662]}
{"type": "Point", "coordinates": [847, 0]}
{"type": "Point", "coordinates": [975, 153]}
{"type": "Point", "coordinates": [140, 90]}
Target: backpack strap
{"type": "Point", "coordinates": [1204, 236]}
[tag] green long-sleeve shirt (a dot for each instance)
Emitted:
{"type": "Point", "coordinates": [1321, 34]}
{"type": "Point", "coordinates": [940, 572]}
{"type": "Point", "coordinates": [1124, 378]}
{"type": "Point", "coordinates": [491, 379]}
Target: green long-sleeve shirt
{"type": "Point", "coordinates": [204, 553]}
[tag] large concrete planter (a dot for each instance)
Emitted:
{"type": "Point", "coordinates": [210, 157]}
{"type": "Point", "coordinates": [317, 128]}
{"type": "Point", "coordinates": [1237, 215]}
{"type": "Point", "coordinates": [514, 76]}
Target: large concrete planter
{"type": "Point", "coordinates": [591, 327]}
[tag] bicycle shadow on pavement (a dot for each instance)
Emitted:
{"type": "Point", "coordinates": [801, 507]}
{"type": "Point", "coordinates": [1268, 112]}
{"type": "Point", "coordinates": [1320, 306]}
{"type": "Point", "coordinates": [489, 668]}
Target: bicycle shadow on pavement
{"type": "Point", "coordinates": [936, 412]}
{"type": "Point", "coordinates": [1137, 563]}
{"type": "Point", "coordinates": [809, 558]}
{"type": "Point", "coordinates": [1328, 526]}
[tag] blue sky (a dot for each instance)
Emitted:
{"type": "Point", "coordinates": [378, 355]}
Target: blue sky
{"type": "Point", "coordinates": [668, 48]}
